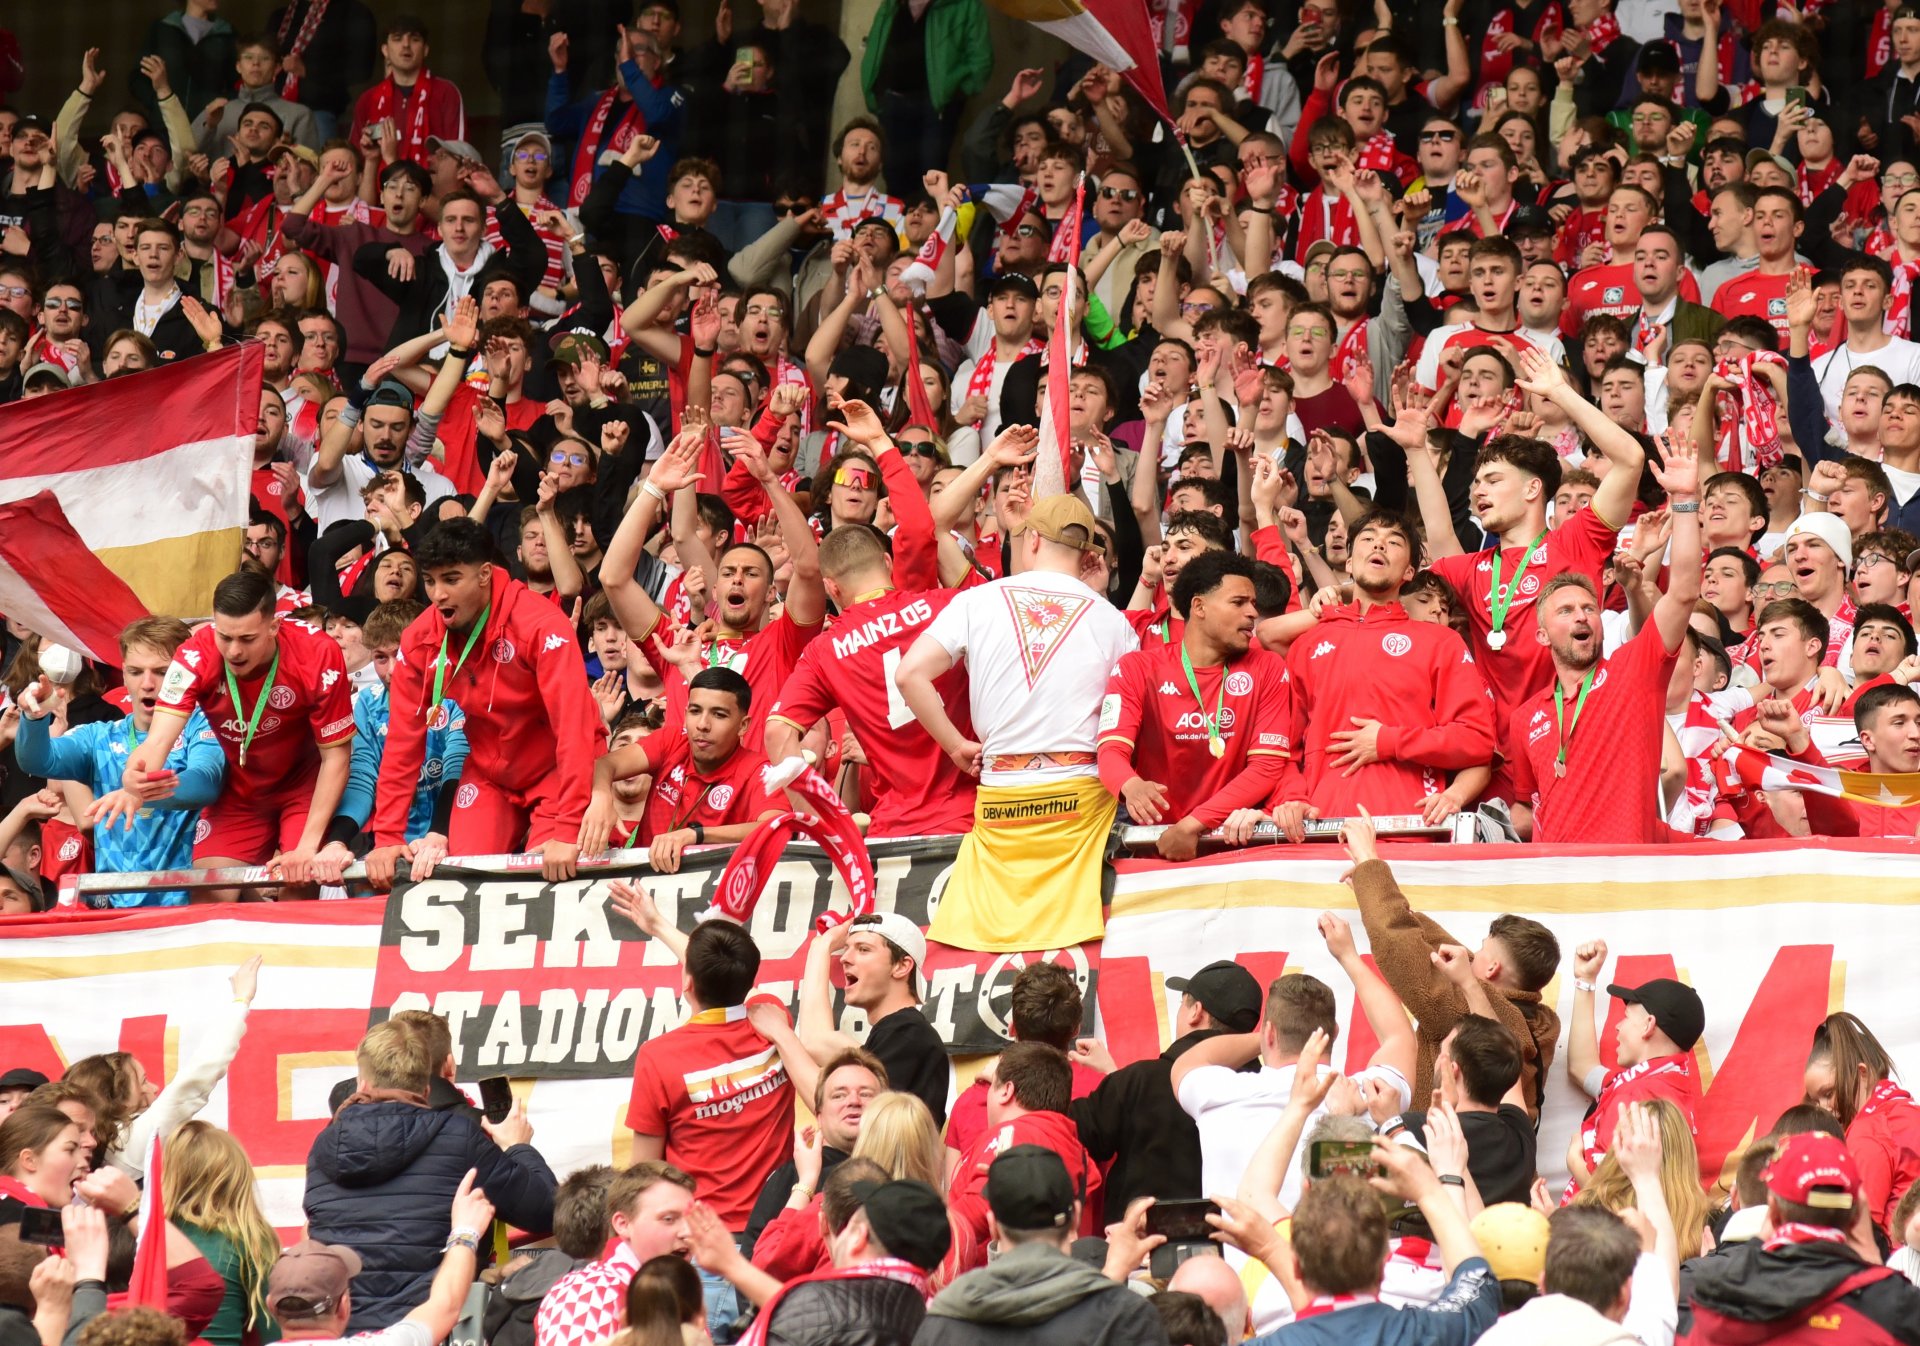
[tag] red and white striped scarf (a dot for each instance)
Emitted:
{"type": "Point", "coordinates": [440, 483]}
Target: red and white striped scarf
{"type": "Point", "coordinates": [1698, 734]}
{"type": "Point", "coordinates": [980, 384]}
{"type": "Point", "coordinates": [412, 136]}
{"type": "Point", "coordinates": [1495, 64]}
{"type": "Point", "coordinates": [580, 180]}
{"type": "Point", "coordinates": [1787, 1235]}
{"type": "Point", "coordinates": [1814, 181]}
{"type": "Point", "coordinates": [1256, 76]}
{"type": "Point", "coordinates": [1900, 312]}
{"type": "Point", "coordinates": [309, 27]}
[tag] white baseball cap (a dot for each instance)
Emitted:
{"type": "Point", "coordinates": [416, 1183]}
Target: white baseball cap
{"type": "Point", "coordinates": [903, 934]}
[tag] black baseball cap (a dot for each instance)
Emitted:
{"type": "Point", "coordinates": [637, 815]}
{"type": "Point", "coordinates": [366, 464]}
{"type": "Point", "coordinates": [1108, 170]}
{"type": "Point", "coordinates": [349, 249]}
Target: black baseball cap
{"type": "Point", "coordinates": [1675, 1007]}
{"type": "Point", "coordinates": [391, 393]}
{"type": "Point", "coordinates": [1012, 282]}
{"type": "Point", "coordinates": [1529, 220]}
{"type": "Point", "coordinates": [1225, 990]}
{"type": "Point", "coordinates": [1660, 58]}
{"type": "Point", "coordinates": [1028, 1188]}
{"type": "Point", "coordinates": [909, 1218]}
{"type": "Point", "coordinates": [20, 1077]}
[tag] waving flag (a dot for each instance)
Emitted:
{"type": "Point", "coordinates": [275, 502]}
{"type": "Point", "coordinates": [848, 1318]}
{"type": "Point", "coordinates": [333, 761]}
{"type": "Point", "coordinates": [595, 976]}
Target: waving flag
{"type": "Point", "coordinates": [1116, 33]}
{"type": "Point", "coordinates": [147, 1287]}
{"type": "Point", "coordinates": [52, 584]}
{"type": "Point", "coordinates": [151, 472]}
{"type": "Point", "coordinates": [1005, 201]}
{"type": "Point", "coordinates": [1746, 769]}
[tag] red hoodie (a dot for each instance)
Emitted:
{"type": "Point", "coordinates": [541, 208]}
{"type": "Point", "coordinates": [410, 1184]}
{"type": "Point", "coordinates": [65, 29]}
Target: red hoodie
{"type": "Point", "coordinates": [530, 711]}
{"type": "Point", "coordinates": [1416, 678]}
{"type": "Point", "coordinates": [1885, 1139]}
{"type": "Point", "coordinates": [1055, 1131]}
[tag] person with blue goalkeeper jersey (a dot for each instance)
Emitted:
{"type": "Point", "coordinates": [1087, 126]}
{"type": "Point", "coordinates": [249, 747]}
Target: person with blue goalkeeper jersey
{"type": "Point", "coordinates": [446, 742]}
{"type": "Point", "coordinates": [131, 834]}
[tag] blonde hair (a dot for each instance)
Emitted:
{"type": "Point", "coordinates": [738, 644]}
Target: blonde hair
{"type": "Point", "coordinates": [396, 1055]}
{"type": "Point", "coordinates": [1687, 1203]}
{"type": "Point", "coordinates": [898, 1132]}
{"type": "Point", "coordinates": [207, 1181]}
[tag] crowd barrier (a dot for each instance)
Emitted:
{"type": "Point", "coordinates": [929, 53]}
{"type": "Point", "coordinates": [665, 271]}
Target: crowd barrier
{"type": "Point", "coordinates": [544, 983]}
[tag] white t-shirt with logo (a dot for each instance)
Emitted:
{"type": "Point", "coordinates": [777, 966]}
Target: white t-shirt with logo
{"type": "Point", "coordinates": [1038, 648]}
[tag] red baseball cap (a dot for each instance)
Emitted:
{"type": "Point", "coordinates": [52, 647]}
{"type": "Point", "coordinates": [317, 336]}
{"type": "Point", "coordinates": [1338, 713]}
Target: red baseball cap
{"type": "Point", "coordinates": [1814, 1169]}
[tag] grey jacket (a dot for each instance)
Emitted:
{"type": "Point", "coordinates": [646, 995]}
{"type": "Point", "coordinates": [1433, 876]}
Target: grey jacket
{"type": "Point", "coordinates": [1037, 1294]}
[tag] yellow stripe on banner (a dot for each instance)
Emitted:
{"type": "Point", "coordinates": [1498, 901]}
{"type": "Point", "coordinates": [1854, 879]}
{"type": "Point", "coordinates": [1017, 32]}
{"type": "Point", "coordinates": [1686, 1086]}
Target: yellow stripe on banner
{"type": "Point", "coordinates": [1558, 898]}
{"type": "Point", "coordinates": [1901, 790]}
{"type": "Point", "coordinates": [175, 577]}
{"type": "Point", "coordinates": [43, 967]}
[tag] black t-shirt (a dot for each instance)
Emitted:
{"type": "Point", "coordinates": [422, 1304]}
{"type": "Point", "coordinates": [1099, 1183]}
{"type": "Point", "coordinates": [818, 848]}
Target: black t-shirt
{"type": "Point", "coordinates": [915, 1058]}
{"type": "Point", "coordinates": [1500, 1151]}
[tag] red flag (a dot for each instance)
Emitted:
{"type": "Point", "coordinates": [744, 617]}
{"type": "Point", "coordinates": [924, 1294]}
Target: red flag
{"type": "Point", "coordinates": [1116, 33]}
{"type": "Point", "coordinates": [148, 1285]}
{"type": "Point", "coordinates": [53, 584]}
{"type": "Point", "coordinates": [917, 404]}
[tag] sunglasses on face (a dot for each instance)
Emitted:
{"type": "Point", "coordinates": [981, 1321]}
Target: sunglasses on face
{"type": "Point", "coordinates": [1438, 137]}
{"type": "Point", "coordinates": [858, 478]}
{"type": "Point", "coordinates": [1119, 194]}
{"type": "Point", "coordinates": [75, 304]}
{"type": "Point", "coordinates": [1029, 231]}
{"type": "Point", "coordinates": [920, 448]}
{"type": "Point", "coordinates": [785, 208]}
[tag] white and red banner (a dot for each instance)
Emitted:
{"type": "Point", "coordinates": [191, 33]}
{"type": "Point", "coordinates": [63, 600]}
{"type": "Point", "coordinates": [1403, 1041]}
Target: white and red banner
{"type": "Point", "coordinates": [545, 984]}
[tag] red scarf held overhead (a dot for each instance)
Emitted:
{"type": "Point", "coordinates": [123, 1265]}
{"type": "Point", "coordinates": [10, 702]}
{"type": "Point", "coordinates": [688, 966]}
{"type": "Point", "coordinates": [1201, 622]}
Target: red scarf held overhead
{"type": "Point", "coordinates": [594, 142]}
{"type": "Point", "coordinates": [413, 135]}
{"type": "Point", "coordinates": [1377, 154]}
{"type": "Point", "coordinates": [1750, 406]}
{"type": "Point", "coordinates": [1495, 64]}
{"type": "Point", "coordinates": [309, 27]}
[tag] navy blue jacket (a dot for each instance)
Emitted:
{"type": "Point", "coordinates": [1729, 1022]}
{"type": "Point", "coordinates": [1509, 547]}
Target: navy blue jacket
{"type": "Point", "coordinates": [381, 1180]}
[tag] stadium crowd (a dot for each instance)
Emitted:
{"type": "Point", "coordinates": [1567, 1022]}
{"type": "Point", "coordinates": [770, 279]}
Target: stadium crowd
{"type": "Point", "coordinates": [1477, 408]}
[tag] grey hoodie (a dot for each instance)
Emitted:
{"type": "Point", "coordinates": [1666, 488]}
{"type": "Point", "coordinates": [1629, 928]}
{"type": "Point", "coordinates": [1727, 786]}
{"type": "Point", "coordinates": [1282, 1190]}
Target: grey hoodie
{"type": "Point", "coordinates": [1036, 1293]}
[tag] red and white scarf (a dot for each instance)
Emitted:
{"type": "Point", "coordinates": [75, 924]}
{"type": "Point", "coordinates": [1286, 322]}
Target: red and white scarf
{"type": "Point", "coordinates": [1378, 153]}
{"type": "Point", "coordinates": [1698, 734]}
{"type": "Point", "coordinates": [631, 124]}
{"type": "Point", "coordinates": [1879, 41]}
{"type": "Point", "coordinates": [1350, 348]}
{"type": "Point", "coordinates": [830, 825]}
{"type": "Point", "coordinates": [1495, 64]}
{"type": "Point", "coordinates": [1789, 1234]}
{"type": "Point", "coordinates": [1885, 1092]}
{"type": "Point", "coordinates": [1332, 1304]}
{"type": "Point", "coordinates": [413, 135]}
{"type": "Point", "coordinates": [1256, 76]}
{"type": "Point", "coordinates": [1814, 181]}
{"type": "Point", "coordinates": [1750, 406]}
{"type": "Point", "coordinates": [1900, 313]}
{"type": "Point", "coordinates": [1603, 32]}
{"type": "Point", "coordinates": [980, 384]}
{"type": "Point", "coordinates": [309, 27]}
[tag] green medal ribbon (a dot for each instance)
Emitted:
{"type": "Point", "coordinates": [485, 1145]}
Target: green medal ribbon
{"type": "Point", "coordinates": [1214, 743]}
{"type": "Point", "coordinates": [440, 678]}
{"type": "Point", "coordinates": [1500, 596]}
{"type": "Point", "coordinates": [1559, 717]}
{"type": "Point", "coordinates": [259, 707]}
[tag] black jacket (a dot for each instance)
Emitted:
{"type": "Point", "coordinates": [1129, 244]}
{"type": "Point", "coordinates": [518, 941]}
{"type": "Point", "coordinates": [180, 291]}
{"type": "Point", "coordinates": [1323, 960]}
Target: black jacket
{"type": "Point", "coordinates": [422, 298]}
{"type": "Point", "coordinates": [381, 1179]}
{"type": "Point", "coordinates": [1748, 1294]}
{"type": "Point", "coordinates": [1133, 1119]}
{"type": "Point", "coordinates": [867, 1311]}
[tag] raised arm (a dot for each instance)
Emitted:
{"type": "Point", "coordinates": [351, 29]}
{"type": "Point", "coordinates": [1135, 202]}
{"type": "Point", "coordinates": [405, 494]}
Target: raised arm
{"type": "Point", "coordinates": [1613, 501]}
{"type": "Point", "coordinates": [1679, 476]}
{"type": "Point", "coordinates": [1583, 1039]}
{"type": "Point", "coordinates": [633, 607]}
{"type": "Point", "coordinates": [806, 595]}
{"type": "Point", "coordinates": [1386, 1016]}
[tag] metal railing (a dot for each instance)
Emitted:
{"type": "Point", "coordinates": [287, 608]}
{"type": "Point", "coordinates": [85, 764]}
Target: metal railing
{"type": "Point", "coordinates": [1459, 827]}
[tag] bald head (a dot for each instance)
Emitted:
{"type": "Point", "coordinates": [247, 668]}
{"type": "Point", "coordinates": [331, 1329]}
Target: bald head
{"type": "Point", "coordinates": [1214, 1281]}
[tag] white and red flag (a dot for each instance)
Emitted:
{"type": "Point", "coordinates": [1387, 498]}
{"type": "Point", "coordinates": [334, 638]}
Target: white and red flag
{"type": "Point", "coordinates": [127, 497]}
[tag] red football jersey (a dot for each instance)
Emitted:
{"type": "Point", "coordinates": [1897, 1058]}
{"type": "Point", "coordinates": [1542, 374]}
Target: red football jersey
{"type": "Point", "coordinates": [1599, 289]}
{"type": "Point", "coordinates": [1611, 790]}
{"type": "Point", "coordinates": [920, 791]}
{"type": "Point", "coordinates": [1522, 666]}
{"type": "Point", "coordinates": [460, 435]}
{"type": "Point", "coordinates": [1756, 295]}
{"type": "Point", "coordinates": [1150, 707]}
{"type": "Point", "coordinates": [766, 659]}
{"type": "Point", "coordinates": [1416, 678]}
{"type": "Point", "coordinates": [683, 796]}
{"type": "Point", "coordinates": [309, 707]}
{"type": "Point", "coordinates": [716, 1091]}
